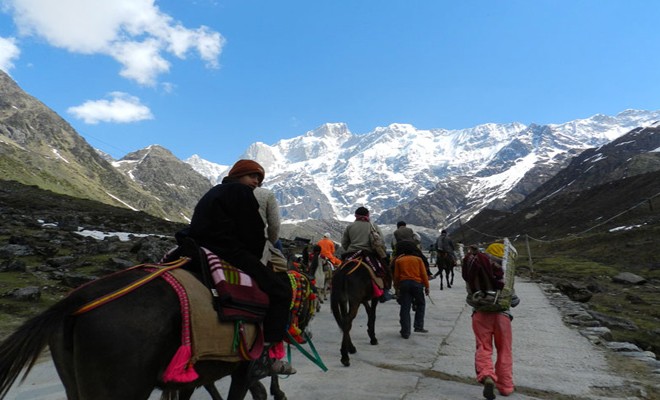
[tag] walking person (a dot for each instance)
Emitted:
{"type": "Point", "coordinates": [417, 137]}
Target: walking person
{"type": "Point", "coordinates": [411, 282]}
{"type": "Point", "coordinates": [484, 278]}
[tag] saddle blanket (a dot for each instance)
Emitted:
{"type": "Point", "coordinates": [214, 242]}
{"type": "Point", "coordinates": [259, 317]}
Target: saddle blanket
{"type": "Point", "coordinates": [212, 339]}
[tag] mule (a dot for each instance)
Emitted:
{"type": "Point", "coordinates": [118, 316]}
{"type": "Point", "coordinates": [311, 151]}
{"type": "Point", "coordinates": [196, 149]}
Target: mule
{"type": "Point", "coordinates": [352, 286]}
{"type": "Point", "coordinates": [445, 262]}
{"type": "Point", "coordinates": [118, 350]}
{"type": "Point", "coordinates": [322, 273]}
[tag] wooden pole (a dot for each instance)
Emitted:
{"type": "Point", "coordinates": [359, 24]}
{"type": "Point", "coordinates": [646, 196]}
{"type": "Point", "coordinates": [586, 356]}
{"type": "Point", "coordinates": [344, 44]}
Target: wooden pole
{"type": "Point", "coordinates": [529, 256]}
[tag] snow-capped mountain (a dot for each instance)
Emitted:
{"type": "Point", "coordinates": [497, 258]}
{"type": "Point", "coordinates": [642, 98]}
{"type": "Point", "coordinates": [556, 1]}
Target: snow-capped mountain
{"type": "Point", "coordinates": [214, 172]}
{"type": "Point", "coordinates": [328, 172]}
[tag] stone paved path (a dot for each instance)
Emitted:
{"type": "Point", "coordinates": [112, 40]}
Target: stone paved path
{"type": "Point", "coordinates": [551, 360]}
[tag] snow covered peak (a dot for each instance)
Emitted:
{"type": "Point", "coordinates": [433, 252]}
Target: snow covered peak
{"type": "Point", "coordinates": [331, 168]}
{"type": "Point", "coordinates": [214, 172]}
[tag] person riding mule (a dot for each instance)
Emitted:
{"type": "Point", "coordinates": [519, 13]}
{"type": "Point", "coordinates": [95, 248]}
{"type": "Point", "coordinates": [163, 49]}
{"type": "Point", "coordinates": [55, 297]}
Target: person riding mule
{"type": "Point", "coordinates": [227, 222]}
{"type": "Point", "coordinates": [328, 249]}
{"type": "Point", "coordinates": [357, 243]}
{"type": "Point", "coordinates": [404, 235]}
{"type": "Point", "coordinates": [444, 244]}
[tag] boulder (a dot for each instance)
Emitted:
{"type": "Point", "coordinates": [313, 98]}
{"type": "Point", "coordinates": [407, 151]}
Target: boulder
{"type": "Point", "coordinates": [28, 293]}
{"type": "Point", "coordinates": [628, 278]}
{"type": "Point", "coordinates": [614, 322]}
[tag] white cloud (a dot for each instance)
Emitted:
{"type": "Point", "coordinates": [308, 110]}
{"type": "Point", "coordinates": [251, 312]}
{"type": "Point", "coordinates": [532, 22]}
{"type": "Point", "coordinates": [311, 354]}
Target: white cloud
{"type": "Point", "coordinates": [121, 108]}
{"type": "Point", "coordinates": [134, 32]}
{"type": "Point", "coordinates": [8, 53]}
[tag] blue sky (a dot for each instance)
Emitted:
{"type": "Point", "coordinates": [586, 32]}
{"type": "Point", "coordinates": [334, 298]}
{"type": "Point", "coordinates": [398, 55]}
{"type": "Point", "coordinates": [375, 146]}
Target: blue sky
{"type": "Point", "coordinates": [211, 77]}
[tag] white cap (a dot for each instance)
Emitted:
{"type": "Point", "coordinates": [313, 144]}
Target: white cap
{"type": "Point", "coordinates": [326, 235]}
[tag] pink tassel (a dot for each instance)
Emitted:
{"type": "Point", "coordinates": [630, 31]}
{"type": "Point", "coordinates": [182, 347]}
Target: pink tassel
{"type": "Point", "coordinates": [377, 291]}
{"type": "Point", "coordinates": [179, 369]}
{"type": "Point", "coordinates": [277, 351]}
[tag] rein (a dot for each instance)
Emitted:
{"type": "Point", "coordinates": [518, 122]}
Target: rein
{"type": "Point", "coordinates": [358, 263]}
{"type": "Point", "coordinates": [316, 358]}
{"type": "Point", "coordinates": [134, 285]}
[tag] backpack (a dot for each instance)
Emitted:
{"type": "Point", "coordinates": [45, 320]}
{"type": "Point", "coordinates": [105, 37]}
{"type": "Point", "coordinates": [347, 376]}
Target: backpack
{"type": "Point", "coordinates": [376, 242]}
{"type": "Point", "coordinates": [497, 300]}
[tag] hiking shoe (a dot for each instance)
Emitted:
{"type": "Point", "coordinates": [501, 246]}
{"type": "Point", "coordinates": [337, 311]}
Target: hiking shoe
{"type": "Point", "coordinates": [421, 330]}
{"type": "Point", "coordinates": [280, 367]}
{"type": "Point", "coordinates": [489, 388]}
{"type": "Point", "coordinates": [405, 335]}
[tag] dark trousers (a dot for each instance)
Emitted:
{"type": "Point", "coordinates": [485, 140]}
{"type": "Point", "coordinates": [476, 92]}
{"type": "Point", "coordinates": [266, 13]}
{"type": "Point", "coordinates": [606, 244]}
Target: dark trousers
{"type": "Point", "coordinates": [410, 291]}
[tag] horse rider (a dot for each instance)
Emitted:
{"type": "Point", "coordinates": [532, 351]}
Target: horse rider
{"type": "Point", "coordinates": [328, 249]}
{"type": "Point", "coordinates": [356, 239]}
{"type": "Point", "coordinates": [405, 234]}
{"type": "Point", "coordinates": [444, 244]}
{"type": "Point", "coordinates": [227, 222]}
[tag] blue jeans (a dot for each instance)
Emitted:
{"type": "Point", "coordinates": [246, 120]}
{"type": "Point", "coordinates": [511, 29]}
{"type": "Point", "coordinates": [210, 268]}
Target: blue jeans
{"type": "Point", "coordinates": [410, 291]}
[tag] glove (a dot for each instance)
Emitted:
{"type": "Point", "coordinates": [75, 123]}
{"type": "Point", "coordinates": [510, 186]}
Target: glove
{"type": "Point", "coordinates": [427, 291]}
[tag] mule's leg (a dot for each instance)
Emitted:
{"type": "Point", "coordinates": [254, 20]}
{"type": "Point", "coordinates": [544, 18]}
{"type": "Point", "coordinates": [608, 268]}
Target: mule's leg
{"type": "Point", "coordinates": [258, 391]}
{"type": "Point", "coordinates": [440, 268]}
{"type": "Point", "coordinates": [371, 320]}
{"type": "Point", "coordinates": [210, 388]}
{"type": "Point", "coordinates": [275, 390]}
{"type": "Point", "coordinates": [450, 272]}
{"type": "Point", "coordinates": [186, 393]}
{"type": "Point", "coordinates": [347, 346]}
{"type": "Point", "coordinates": [240, 381]}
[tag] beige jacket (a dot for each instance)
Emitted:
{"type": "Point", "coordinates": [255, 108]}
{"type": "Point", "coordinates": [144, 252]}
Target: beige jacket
{"type": "Point", "coordinates": [270, 213]}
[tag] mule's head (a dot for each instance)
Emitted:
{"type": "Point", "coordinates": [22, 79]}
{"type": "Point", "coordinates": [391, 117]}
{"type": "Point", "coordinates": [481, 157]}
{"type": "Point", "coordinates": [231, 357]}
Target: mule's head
{"type": "Point", "coordinates": [304, 305]}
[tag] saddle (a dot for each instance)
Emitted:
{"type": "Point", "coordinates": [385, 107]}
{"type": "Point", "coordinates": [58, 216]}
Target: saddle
{"type": "Point", "coordinates": [235, 296]}
{"type": "Point", "coordinates": [359, 259]}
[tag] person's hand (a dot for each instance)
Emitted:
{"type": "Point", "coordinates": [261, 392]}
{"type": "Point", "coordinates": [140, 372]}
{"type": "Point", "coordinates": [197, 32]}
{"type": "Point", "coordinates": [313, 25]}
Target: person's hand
{"type": "Point", "coordinates": [427, 291]}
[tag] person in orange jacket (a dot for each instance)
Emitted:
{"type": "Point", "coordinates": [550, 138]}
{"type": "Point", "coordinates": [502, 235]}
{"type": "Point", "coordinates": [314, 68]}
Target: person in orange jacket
{"type": "Point", "coordinates": [328, 249]}
{"type": "Point", "coordinates": [412, 283]}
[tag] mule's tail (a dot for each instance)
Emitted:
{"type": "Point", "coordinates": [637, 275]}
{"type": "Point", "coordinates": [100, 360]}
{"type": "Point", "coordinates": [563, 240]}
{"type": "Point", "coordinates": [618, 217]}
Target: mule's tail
{"type": "Point", "coordinates": [22, 348]}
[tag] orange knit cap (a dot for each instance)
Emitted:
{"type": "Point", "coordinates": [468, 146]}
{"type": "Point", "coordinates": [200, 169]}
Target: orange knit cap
{"type": "Point", "coordinates": [247, 167]}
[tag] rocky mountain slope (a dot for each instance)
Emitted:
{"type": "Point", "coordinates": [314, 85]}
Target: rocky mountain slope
{"type": "Point", "coordinates": [38, 147]}
{"type": "Point", "coordinates": [614, 185]}
{"type": "Point", "coordinates": [166, 177]}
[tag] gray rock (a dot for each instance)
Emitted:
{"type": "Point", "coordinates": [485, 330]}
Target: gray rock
{"type": "Point", "coordinates": [120, 263]}
{"type": "Point", "coordinates": [598, 331]}
{"type": "Point", "coordinates": [28, 293]}
{"type": "Point", "coordinates": [59, 262]}
{"type": "Point", "coordinates": [75, 280]}
{"type": "Point", "coordinates": [13, 265]}
{"type": "Point", "coordinates": [622, 346]}
{"type": "Point", "coordinates": [15, 250]}
{"type": "Point", "coordinates": [614, 322]}
{"type": "Point", "coordinates": [628, 278]}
